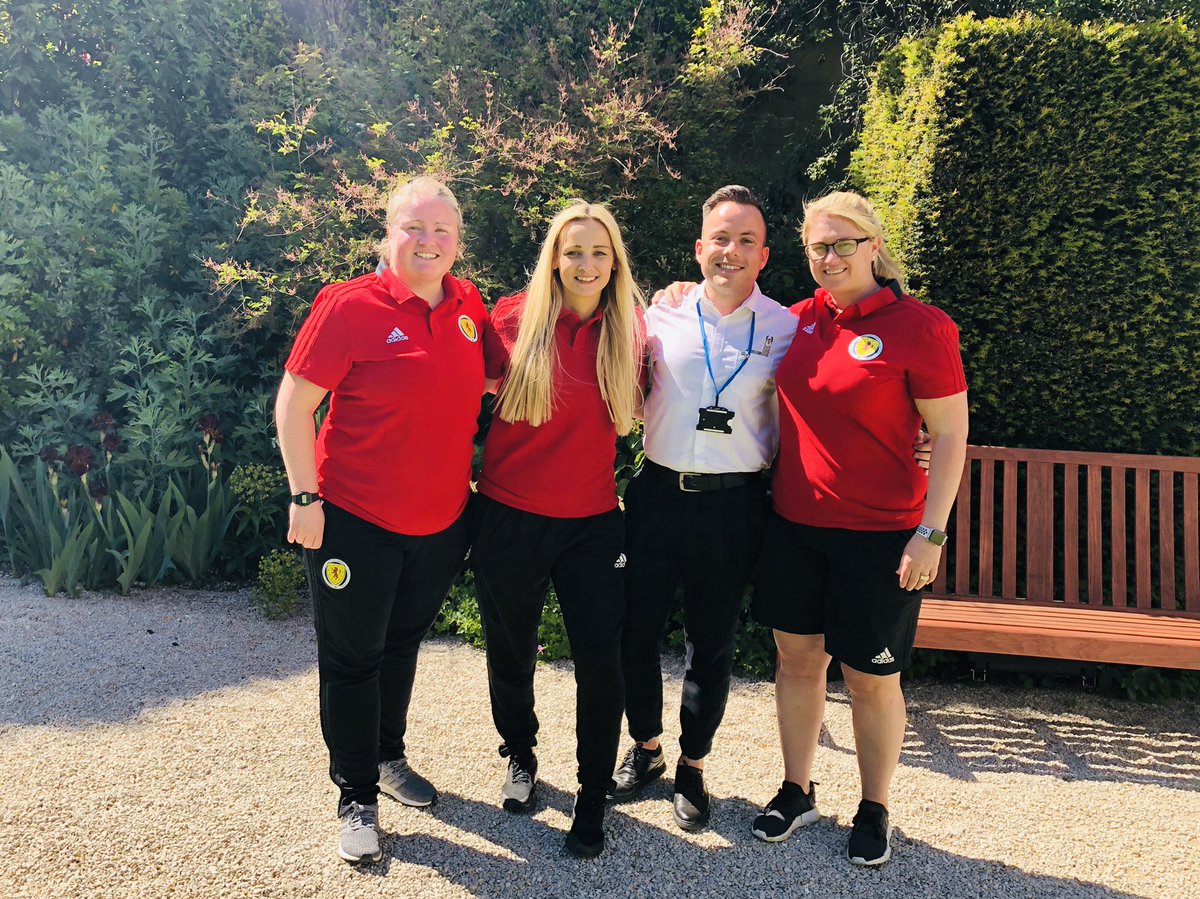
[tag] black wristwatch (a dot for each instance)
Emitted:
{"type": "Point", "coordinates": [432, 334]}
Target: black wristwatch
{"type": "Point", "coordinates": [934, 536]}
{"type": "Point", "coordinates": [305, 498]}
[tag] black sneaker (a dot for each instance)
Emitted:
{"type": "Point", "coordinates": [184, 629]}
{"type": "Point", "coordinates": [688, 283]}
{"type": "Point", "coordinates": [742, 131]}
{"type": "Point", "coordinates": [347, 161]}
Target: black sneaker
{"type": "Point", "coordinates": [791, 809]}
{"type": "Point", "coordinates": [520, 781]}
{"type": "Point", "coordinates": [641, 766]}
{"type": "Point", "coordinates": [693, 807]}
{"type": "Point", "coordinates": [586, 837]}
{"type": "Point", "coordinates": [870, 840]}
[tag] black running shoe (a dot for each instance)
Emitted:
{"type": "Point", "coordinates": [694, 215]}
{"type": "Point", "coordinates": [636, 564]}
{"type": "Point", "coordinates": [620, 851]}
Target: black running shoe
{"type": "Point", "coordinates": [520, 781]}
{"type": "Point", "coordinates": [870, 840]}
{"type": "Point", "coordinates": [693, 808]}
{"type": "Point", "coordinates": [586, 837]}
{"type": "Point", "coordinates": [791, 809]}
{"type": "Point", "coordinates": [640, 767]}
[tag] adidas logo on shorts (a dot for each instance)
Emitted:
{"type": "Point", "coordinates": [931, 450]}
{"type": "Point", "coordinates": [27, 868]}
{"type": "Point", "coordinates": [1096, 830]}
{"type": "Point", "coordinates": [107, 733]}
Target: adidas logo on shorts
{"type": "Point", "coordinates": [884, 658]}
{"type": "Point", "coordinates": [620, 563]}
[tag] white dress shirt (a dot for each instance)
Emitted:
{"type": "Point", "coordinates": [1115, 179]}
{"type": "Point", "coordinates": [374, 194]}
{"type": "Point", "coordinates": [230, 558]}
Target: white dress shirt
{"type": "Point", "coordinates": [680, 384]}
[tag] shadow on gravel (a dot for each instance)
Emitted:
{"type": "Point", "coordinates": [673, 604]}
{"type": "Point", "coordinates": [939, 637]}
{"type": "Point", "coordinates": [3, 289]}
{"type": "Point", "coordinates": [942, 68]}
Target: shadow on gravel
{"type": "Point", "coordinates": [647, 860]}
{"type": "Point", "coordinates": [100, 658]}
{"type": "Point", "coordinates": [963, 743]}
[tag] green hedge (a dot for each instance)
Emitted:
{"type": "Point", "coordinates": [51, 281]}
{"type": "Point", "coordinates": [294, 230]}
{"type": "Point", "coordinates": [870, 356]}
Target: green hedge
{"type": "Point", "coordinates": [1041, 182]}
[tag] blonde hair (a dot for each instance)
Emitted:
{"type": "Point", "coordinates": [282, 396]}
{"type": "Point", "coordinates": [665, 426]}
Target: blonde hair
{"type": "Point", "coordinates": [856, 209]}
{"type": "Point", "coordinates": [527, 393]}
{"type": "Point", "coordinates": [406, 192]}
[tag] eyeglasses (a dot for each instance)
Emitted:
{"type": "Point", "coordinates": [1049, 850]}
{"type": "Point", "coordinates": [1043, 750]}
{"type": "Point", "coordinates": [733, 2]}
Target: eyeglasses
{"type": "Point", "coordinates": [846, 246]}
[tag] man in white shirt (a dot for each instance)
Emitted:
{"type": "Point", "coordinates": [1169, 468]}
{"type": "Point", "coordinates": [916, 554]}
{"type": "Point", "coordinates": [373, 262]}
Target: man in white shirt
{"type": "Point", "coordinates": [695, 514]}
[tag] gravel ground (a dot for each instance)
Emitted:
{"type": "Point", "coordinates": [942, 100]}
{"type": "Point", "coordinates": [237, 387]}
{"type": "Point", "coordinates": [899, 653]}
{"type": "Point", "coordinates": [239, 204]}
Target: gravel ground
{"type": "Point", "coordinates": [167, 744]}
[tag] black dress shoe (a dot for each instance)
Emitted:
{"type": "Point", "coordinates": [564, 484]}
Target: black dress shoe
{"type": "Point", "coordinates": [640, 767]}
{"type": "Point", "coordinates": [692, 805]}
{"type": "Point", "coordinates": [586, 837]}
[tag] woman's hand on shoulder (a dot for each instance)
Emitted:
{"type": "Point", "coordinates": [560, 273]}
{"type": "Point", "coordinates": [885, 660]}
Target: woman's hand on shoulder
{"type": "Point", "coordinates": [306, 525]}
{"type": "Point", "coordinates": [672, 295]}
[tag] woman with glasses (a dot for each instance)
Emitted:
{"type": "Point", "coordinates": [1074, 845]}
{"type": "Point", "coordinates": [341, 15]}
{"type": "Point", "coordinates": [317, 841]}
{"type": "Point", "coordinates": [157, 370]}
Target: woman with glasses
{"type": "Point", "coordinates": [856, 530]}
{"type": "Point", "coordinates": [568, 352]}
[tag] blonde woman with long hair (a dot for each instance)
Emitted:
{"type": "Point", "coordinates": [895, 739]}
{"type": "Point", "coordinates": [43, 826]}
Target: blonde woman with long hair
{"type": "Point", "coordinates": [568, 353]}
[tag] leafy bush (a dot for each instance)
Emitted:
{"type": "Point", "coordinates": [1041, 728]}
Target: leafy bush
{"type": "Point", "coordinates": [1035, 177]}
{"type": "Point", "coordinates": [277, 589]}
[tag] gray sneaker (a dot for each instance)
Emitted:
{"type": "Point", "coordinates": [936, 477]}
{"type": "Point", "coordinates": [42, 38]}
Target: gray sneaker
{"type": "Point", "coordinates": [359, 839]}
{"type": "Point", "coordinates": [400, 782]}
{"type": "Point", "coordinates": [520, 781]}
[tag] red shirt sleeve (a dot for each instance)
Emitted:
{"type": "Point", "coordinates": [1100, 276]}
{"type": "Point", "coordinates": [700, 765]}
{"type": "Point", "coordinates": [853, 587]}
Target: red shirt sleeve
{"type": "Point", "coordinates": [321, 351]}
{"type": "Point", "coordinates": [938, 370]}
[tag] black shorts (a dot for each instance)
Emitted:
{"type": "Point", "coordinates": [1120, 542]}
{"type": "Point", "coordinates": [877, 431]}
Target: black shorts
{"type": "Point", "coordinates": [842, 584]}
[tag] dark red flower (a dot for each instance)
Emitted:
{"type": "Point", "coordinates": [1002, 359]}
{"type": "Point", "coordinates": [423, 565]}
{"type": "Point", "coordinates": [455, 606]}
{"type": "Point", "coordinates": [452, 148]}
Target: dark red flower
{"type": "Point", "coordinates": [112, 442]}
{"type": "Point", "coordinates": [102, 421]}
{"type": "Point", "coordinates": [49, 454]}
{"type": "Point", "coordinates": [98, 490]}
{"type": "Point", "coordinates": [79, 460]}
{"type": "Point", "coordinates": [210, 425]}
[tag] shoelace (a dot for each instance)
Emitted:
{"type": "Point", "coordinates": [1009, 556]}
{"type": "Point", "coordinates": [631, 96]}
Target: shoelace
{"type": "Point", "coordinates": [518, 772]}
{"type": "Point", "coordinates": [397, 769]}
{"type": "Point", "coordinates": [361, 818]}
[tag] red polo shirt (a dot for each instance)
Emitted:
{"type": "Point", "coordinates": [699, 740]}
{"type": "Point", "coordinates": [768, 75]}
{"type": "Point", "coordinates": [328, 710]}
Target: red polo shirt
{"type": "Point", "coordinates": [847, 419]}
{"type": "Point", "coordinates": [564, 467]}
{"type": "Point", "coordinates": [395, 448]}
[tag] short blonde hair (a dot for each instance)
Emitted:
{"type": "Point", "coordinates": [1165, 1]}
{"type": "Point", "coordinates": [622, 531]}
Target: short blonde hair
{"type": "Point", "coordinates": [856, 209]}
{"type": "Point", "coordinates": [406, 192]}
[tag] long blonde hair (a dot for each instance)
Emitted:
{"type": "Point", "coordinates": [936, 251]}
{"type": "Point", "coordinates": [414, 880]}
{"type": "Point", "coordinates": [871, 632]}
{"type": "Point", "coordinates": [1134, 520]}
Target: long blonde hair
{"type": "Point", "coordinates": [857, 209]}
{"type": "Point", "coordinates": [527, 393]}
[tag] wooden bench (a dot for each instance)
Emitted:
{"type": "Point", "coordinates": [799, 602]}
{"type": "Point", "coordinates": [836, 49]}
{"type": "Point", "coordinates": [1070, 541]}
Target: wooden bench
{"type": "Point", "coordinates": [1068, 555]}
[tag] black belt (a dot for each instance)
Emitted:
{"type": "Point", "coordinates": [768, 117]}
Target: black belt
{"type": "Point", "coordinates": [696, 482]}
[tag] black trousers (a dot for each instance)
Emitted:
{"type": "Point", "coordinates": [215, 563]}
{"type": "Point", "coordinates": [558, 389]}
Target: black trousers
{"type": "Point", "coordinates": [516, 555]}
{"type": "Point", "coordinates": [371, 617]}
{"type": "Point", "coordinates": [709, 543]}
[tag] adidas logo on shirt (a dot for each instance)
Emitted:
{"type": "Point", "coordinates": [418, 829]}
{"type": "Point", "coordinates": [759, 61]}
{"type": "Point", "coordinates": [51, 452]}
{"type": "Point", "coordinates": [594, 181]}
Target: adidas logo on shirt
{"type": "Point", "coordinates": [808, 329]}
{"type": "Point", "coordinates": [620, 563]}
{"type": "Point", "coordinates": [396, 336]}
{"type": "Point", "coordinates": [884, 658]}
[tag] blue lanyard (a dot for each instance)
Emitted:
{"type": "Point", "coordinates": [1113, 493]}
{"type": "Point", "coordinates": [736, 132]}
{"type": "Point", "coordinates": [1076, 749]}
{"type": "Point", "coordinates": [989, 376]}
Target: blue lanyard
{"type": "Point", "coordinates": [708, 358]}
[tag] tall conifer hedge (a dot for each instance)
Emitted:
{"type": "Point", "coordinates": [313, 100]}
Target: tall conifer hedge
{"type": "Point", "coordinates": [1041, 182]}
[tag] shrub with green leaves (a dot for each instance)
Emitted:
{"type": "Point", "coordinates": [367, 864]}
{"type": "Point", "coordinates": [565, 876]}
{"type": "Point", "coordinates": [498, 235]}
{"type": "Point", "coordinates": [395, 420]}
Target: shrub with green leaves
{"type": "Point", "coordinates": [277, 589]}
{"type": "Point", "coordinates": [1040, 181]}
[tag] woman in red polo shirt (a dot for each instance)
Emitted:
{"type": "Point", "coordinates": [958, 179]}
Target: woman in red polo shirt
{"type": "Point", "coordinates": [569, 352]}
{"type": "Point", "coordinates": [379, 513]}
{"type": "Point", "coordinates": [857, 529]}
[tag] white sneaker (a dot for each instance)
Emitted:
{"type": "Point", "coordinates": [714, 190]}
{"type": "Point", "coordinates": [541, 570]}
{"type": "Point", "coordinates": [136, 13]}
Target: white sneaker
{"type": "Point", "coordinates": [359, 838]}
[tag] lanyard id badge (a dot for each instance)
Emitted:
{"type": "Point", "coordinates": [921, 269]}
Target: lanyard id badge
{"type": "Point", "coordinates": [715, 419]}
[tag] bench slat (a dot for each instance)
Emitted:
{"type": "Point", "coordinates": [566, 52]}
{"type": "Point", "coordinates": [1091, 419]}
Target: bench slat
{"type": "Point", "coordinates": [1141, 530]}
{"type": "Point", "coordinates": [1008, 568]}
{"type": "Point", "coordinates": [1191, 544]}
{"type": "Point", "coordinates": [1039, 531]}
{"type": "Point", "coordinates": [987, 516]}
{"type": "Point", "coordinates": [1095, 532]}
{"type": "Point", "coordinates": [1116, 522]}
{"type": "Point", "coordinates": [1070, 533]}
{"type": "Point", "coordinates": [1166, 538]}
{"type": "Point", "coordinates": [1090, 635]}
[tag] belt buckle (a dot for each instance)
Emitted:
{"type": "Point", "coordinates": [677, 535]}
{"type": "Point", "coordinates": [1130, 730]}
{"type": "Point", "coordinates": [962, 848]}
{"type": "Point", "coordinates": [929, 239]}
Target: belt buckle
{"type": "Point", "coordinates": [684, 487]}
